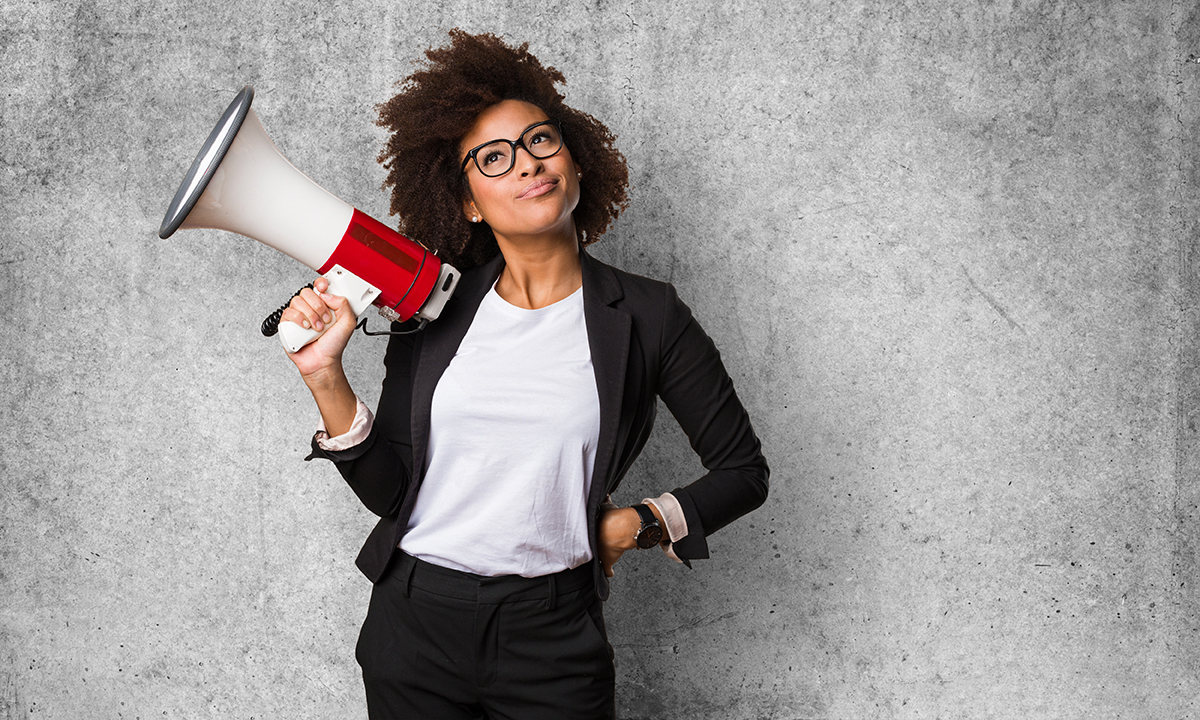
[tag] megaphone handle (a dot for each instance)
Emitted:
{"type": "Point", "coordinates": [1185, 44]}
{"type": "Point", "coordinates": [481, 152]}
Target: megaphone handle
{"type": "Point", "coordinates": [294, 336]}
{"type": "Point", "coordinates": [343, 283]}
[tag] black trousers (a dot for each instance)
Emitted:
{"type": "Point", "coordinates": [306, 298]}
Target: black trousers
{"type": "Point", "coordinates": [440, 644]}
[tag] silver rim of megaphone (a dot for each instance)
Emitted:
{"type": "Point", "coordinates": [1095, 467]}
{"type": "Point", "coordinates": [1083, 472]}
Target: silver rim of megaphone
{"type": "Point", "coordinates": [206, 162]}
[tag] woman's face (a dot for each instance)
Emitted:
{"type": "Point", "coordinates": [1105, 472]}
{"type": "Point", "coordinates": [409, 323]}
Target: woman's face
{"type": "Point", "coordinates": [536, 197]}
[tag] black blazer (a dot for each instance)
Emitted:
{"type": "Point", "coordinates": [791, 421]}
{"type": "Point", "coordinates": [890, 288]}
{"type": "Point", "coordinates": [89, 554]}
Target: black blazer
{"type": "Point", "coordinates": [644, 343]}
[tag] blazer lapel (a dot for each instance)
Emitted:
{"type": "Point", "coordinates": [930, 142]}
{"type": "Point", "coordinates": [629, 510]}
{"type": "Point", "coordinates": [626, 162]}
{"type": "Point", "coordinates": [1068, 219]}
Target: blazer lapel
{"type": "Point", "coordinates": [439, 342]}
{"type": "Point", "coordinates": [608, 332]}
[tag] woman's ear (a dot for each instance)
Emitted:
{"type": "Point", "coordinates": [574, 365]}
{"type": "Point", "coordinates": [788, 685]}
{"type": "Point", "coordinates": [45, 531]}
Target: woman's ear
{"type": "Point", "coordinates": [470, 210]}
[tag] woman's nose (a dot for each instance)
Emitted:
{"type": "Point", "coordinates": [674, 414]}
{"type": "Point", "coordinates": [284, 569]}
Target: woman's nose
{"type": "Point", "coordinates": [527, 164]}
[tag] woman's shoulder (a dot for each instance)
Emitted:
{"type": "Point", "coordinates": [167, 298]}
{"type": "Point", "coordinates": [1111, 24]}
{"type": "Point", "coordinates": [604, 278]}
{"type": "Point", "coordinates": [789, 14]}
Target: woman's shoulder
{"type": "Point", "coordinates": [654, 304]}
{"type": "Point", "coordinates": [632, 286]}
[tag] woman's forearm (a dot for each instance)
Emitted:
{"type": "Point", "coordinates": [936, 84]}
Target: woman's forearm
{"type": "Point", "coordinates": [335, 399]}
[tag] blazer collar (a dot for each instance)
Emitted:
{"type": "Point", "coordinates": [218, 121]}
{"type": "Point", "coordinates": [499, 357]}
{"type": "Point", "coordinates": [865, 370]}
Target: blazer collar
{"type": "Point", "coordinates": [599, 281]}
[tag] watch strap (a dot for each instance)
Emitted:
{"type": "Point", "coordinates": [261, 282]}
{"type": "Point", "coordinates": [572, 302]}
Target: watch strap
{"type": "Point", "coordinates": [651, 532]}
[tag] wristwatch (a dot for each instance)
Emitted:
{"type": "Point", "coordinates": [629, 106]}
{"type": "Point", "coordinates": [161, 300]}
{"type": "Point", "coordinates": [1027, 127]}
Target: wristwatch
{"type": "Point", "coordinates": [651, 533]}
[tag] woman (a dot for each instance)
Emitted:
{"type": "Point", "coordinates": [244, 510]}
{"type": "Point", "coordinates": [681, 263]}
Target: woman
{"type": "Point", "coordinates": [504, 426]}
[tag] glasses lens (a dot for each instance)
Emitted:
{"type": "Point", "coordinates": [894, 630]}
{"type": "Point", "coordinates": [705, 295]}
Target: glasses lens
{"type": "Point", "coordinates": [542, 141]}
{"type": "Point", "coordinates": [497, 158]}
{"type": "Point", "coordinates": [494, 158]}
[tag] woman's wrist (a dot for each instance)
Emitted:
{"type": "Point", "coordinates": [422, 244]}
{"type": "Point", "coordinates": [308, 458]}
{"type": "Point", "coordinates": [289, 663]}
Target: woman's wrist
{"type": "Point", "coordinates": [334, 397]}
{"type": "Point", "coordinates": [631, 525]}
{"type": "Point", "coordinates": [657, 515]}
{"type": "Point", "coordinates": [328, 379]}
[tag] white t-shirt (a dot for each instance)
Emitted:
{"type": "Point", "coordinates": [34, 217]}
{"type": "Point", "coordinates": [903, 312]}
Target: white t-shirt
{"type": "Point", "coordinates": [512, 443]}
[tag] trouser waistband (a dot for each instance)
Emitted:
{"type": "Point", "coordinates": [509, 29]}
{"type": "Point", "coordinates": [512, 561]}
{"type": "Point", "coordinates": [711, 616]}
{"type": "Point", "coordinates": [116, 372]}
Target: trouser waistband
{"type": "Point", "coordinates": [413, 572]}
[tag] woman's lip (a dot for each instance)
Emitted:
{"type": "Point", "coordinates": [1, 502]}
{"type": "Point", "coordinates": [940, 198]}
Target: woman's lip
{"type": "Point", "coordinates": [538, 187]}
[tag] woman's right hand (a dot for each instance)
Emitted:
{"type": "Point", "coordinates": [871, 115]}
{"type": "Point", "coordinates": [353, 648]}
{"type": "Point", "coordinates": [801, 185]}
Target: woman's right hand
{"type": "Point", "coordinates": [320, 361]}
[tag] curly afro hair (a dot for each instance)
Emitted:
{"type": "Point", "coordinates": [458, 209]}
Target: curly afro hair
{"type": "Point", "coordinates": [438, 104]}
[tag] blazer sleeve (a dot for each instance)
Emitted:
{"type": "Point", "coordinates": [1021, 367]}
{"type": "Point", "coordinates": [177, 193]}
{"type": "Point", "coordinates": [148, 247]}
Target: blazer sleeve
{"type": "Point", "coordinates": [697, 390]}
{"type": "Point", "coordinates": [379, 468]}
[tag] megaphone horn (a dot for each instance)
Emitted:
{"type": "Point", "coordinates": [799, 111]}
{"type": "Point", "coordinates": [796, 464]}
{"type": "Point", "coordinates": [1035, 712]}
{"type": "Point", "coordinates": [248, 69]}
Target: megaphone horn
{"type": "Point", "coordinates": [240, 182]}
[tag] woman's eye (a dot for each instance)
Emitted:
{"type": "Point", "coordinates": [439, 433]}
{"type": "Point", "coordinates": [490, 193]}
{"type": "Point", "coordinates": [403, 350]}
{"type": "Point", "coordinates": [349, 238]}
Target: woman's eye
{"type": "Point", "coordinates": [492, 158]}
{"type": "Point", "coordinates": [540, 138]}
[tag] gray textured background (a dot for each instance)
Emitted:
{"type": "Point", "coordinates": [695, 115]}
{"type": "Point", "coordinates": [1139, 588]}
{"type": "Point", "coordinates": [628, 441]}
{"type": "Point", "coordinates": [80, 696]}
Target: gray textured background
{"type": "Point", "coordinates": [947, 250]}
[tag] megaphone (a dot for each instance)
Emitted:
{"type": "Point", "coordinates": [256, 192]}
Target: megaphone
{"type": "Point", "coordinates": [240, 182]}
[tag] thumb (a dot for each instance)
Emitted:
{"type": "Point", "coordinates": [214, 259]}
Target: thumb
{"type": "Point", "coordinates": [339, 304]}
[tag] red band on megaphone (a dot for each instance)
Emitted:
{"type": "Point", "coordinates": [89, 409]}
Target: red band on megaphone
{"type": "Point", "coordinates": [404, 272]}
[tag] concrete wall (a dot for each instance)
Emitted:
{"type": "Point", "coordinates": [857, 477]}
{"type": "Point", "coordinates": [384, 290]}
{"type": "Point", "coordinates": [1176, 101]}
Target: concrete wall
{"type": "Point", "coordinates": [947, 250]}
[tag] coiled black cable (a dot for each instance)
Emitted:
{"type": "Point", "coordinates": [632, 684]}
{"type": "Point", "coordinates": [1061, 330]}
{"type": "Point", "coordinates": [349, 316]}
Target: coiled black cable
{"type": "Point", "coordinates": [270, 326]}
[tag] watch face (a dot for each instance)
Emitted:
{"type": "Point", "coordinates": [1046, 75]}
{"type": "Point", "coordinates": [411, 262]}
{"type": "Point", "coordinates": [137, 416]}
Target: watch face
{"type": "Point", "coordinates": [649, 537]}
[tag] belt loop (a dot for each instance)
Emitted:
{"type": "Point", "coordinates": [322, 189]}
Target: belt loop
{"type": "Point", "coordinates": [411, 565]}
{"type": "Point", "coordinates": [552, 586]}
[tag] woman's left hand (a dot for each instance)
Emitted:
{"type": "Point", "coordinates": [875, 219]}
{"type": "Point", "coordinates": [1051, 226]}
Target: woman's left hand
{"type": "Point", "coordinates": [618, 534]}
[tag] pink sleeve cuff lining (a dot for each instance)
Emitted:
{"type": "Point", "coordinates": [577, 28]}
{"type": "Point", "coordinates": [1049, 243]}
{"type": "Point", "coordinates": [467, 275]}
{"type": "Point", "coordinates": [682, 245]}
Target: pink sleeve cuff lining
{"type": "Point", "coordinates": [359, 430]}
{"type": "Point", "coordinates": [672, 514]}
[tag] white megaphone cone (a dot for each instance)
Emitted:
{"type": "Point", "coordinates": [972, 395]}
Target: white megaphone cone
{"type": "Point", "coordinates": [240, 182]}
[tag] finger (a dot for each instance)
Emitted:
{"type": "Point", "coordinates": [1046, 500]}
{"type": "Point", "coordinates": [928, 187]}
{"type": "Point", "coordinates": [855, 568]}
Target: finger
{"type": "Point", "coordinates": [608, 561]}
{"type": "Point", "coordinates": [293, 316]}
{"type": "Point", "coordinates": [301, 312]}
{"type": "Point", "coordinates": [317, 302]}
{"type": "Point", "coordinates": [333, 301]}
{"type": "Point", "coordinates": [321, 284]}
{"type": "Point", "coordinates": [341, 307]}
{"type": "Point", "coordinates": [321, 314]}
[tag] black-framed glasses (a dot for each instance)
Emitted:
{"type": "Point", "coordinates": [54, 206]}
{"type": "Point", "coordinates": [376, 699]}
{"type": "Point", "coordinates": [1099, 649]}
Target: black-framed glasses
{"type": "Point", "coordinates": [496, 157]}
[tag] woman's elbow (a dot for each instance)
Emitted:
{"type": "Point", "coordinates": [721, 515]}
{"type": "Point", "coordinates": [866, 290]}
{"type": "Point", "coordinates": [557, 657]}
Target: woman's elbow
{"type": "Point", "coordinates": [383, 504]}
{"type": "Point", "coordinates": [758, 477]}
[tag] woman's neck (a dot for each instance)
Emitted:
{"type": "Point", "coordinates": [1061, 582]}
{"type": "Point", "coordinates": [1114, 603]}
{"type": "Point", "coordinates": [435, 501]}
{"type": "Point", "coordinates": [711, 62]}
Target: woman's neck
{"type": "Point", "coordinates": [538, 275]}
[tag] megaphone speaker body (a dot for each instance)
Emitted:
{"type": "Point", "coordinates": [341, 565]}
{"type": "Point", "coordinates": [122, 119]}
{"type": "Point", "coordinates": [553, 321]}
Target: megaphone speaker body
{"type": "Point", "coordinates": [241, 183]}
